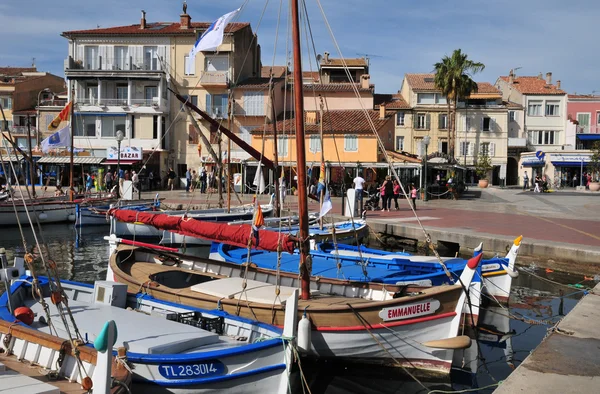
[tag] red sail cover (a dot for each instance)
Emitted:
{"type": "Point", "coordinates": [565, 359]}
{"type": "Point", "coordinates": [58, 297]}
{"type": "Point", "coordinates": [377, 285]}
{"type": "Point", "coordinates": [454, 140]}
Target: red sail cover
{"type": "Point", "coordinates": [237, 235]}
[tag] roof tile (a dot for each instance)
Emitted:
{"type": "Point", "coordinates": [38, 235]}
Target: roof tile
{"type": "Point", "coordinates": [534, 85]}
{"type": "Point", "coordinates": [169, 28]}
{"type": "Point", "coordinates": [422, 82]}
{"type": "Point", "coordinates": [391, 101]}
{"type": "Point", "coordinates": [352, 62]}
{"type": "Point", "coordinates": [278, 71]}
{"type": "Point", "coordinates": [336, 87]}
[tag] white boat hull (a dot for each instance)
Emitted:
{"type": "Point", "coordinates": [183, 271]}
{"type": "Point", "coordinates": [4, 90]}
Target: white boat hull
{"type": "Point", "coordinates": [45, 213]}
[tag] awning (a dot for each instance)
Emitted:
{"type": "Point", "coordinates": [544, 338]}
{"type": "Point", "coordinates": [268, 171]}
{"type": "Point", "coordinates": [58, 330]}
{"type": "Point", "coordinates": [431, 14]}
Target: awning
{"type": "Point", "coordinates": [122, 162]}
{"type": "Point", "coordinates": [8, 158]}
{"type": "Point", "coordinates": [533, 163]}
{"type": "Point", "coordinates": [67, 160]}
{"type": "Point", "coordinates": [588, 137]}
{"type": "Point", "coordinates": [569, 163]}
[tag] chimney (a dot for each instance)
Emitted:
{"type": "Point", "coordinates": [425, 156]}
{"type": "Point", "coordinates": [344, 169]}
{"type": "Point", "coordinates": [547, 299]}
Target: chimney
{"type": "Point", "coordinates": [325, 57]}
{"type": "Point", "coordinates": [511, 76]}
{"type": "Point", "coordinates": [143, 21]}
{"type": "Point", "coordinates": [548, 78]}
{"type": "Point", "coordinates": [365, 81]}
{"type": "Point", "coordinates": [540, 76]}
{"type": "Point", "coordinates": [185, 21]}
{"type": "Point", "coordinates": [382, 111]}
{"type": "Point", "coordinates": [558, 84]}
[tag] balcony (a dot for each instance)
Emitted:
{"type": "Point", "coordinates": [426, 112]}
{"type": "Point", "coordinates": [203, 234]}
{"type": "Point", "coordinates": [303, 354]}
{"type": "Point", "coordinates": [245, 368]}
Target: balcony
{"type": "Point", "coordinates": [53, 103]}
{"type": "Point", "coordinates": [588, 129]}
{"type": "Point", "coordinates": [23, 130]}
{"type": "Point", "coordinates": [517, 142]}
{"type": "Point", "coordinates": [217, 111]}
{"type": "Point", "coordinates": [128, 65]}
{"type": "Point", "coordinates": [214, 78]}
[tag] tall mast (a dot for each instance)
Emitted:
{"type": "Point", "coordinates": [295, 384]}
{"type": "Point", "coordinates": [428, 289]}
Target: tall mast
{"type": "Point", "coordinates": [71, 167]}
{"type": "Point", "coordinates": [300, 152]}
{"type": "Point", "coordinates": [229, 122]}
{"type": "Point", "coordinates": [276, 155]}
{"type": "Point", "coordinates": [31, 163]}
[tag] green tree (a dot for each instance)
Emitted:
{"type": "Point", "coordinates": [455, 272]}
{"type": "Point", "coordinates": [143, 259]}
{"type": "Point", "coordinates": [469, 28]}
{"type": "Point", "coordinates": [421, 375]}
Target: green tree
{"type": "Point", "coordinates": [453, 78]}
{"type": "Point", "coordinates": [594, 165]}
{"type": "Point", "coordinates": [483, 165]}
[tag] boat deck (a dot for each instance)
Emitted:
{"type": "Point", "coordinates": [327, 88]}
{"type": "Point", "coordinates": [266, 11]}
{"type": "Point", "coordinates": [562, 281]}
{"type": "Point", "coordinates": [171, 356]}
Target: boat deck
{"type": "Point", "coordinates": [22, 377]}
{"type": "Point", "coordinates": [158, 336]}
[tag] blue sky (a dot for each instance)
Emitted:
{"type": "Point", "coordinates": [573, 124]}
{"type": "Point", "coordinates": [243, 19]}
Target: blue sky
{"type": "Point", "coordinates": [404, 36]}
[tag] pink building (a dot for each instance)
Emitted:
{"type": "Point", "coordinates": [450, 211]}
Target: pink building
{"type": "Point", "coordinates": [584, 111]}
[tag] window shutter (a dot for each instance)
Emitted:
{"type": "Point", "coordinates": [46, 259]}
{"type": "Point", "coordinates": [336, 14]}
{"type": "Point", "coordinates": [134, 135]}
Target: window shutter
{"type": "Point", "coordinates": [492, 149]}
{"type": "Point", "coordinates": [470, 147]}
{"type": "Point", "coordinates": [482, 124]}
{"type": "Point", "coordinates": [439, 146]}
{"type": "Point", "coordinates": [414, 119]}
{"type": "Point", "coordinates": [419, 147]}
{"type": "Point", "coordinates": [492, 125]}
{"type": "Point", "coordinates": [440, 125]}
{"type": "Point", "coordinates": [161, 52]}
{"type": "Point", "coordinates": [427, 121]}
{"type": "Point", "coordinates": [209, 104]}
{"type": "Point", "coordinates": [80, 53]}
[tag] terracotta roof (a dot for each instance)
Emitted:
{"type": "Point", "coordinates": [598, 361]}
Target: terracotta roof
{"type": "Point", "coordinates": [533, 85]}
{"type": "Point", "coordinates": [278, 71]}
{"type": "Point", "coordinates": [336, 121]}
{"type": "Point", "coordinates": [354, 62]}
{"type": "Point", "coordinates": [487, 88]}
{"type": "Point", "coordinates": [403, 156]}
{"type": "Point", "coordinates": [256, 83]}
{"type": "Point", "coordinates": [314, 75]}
{"type": "Point", "coordinates": [156, 28]}
{"type": "Point", "coordinates": [511, 105]}
{"type": "Point", "coordinates": [336, 87]}
{"type": "Point", "coordinates": [588, 97]}
{"type": "Point", "coordinates": [421, 82]}
{"type": "Point", "coordinates": [16, 71]}
{"type": "Point", "coordinates": [391, 101]}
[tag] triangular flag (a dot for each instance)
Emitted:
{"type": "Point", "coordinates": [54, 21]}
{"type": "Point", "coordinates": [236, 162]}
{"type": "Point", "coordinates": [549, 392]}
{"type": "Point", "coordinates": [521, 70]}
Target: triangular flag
{"type": "Point", "coordinates": [327, 206]}
{"type": "Point", "coordinates": [259, 181]}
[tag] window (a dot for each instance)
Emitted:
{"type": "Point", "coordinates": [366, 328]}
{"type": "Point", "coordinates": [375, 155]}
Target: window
{"type": "Point", "coordinates": [245, 133]}
{"type": "Point", "coordinates": [351, 143]}
{"type": "Point", "coordinates": [192, 100]}
{"type": "Point", "coordinates": [6, 102]}
{"type": "Point", "coordinates": [132, 126]}
{"type": "Point", "coordinates": [216, 105]}
{"type": "Point", "coordinates": [552, 108]}
{"type": "Point", "coordinates": [121, 61]}
{"type": "Point", "coordinates": [92, 94]}
{"type": "Point", "coordinates": [543, 137]}
{"type": "Point", "coordinates": [91, 60]}
{"type": "Point", "coordinates": [189, 65]}
{"type": "Point", "coordinates": [254, 103]}
{"type": "Point", "coordinates": [443, 121]}
{"type": "Point", "coordinates": [484, 149]}
{"type": "Point", "coordinates": [315, 143]}
{"type": "Point", "coordinates": [584, 121]}
{"type": "Point", "coordinates": [122, 93]}
{"type": "Point", "coordinates": [512, 116]}
{"type": "Point", "coordinates": [468, 122]}
{"type": "Point", "coordinates": [425, 98]}
{"type": "Point", "coordinates": [598, 118]}
{"type": "Point", "coordinates": [155, 127]}
{"type": "Point", "coordinates": [112, 124]}
{"type": "Point", "coordinates": [465, 148]}
{"type": "Point", "coordinates": [534, 108]}
{"type": "Point", "coordinates": [150, 92]}
{"type": "Point", "coordinates": [422, 121]}
{"type": "Point", "coordinates": [400, 119]}
{"type": "Point", "coordinates": [399, 143]}
{"type": "Point", "coordinates": [487, 123]}
{"type": "Point", "coordinates": [192, 135]}
{"type": "Point", "coordinates": [440, 99]}
{"type": "Point", "coordinates": [282, 146]}
{"type": "Point", "coordinates": [84, 126]}
{"type": "Point", "coordinates": [151, 58]}
{"type": "Point", "coordinates": [216, 63]}
{"type": "Point", "coordinates": [443, 146]}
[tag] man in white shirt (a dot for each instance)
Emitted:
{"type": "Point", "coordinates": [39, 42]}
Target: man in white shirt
{"type": "Point", "coordinates": [358, 187]}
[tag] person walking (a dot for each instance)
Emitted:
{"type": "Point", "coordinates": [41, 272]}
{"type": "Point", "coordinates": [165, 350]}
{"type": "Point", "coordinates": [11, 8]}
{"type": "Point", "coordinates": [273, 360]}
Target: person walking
{"type": "Point", "coordinates": [413, 196]}
{"type": "Point", "coordinates": [203, 178]}
{"type": "Point", "coordinates": [387, 192]}
{"type": "Point", "coordinates": [575, 180]}
{"type": "Point", "coordinates": [135, 179]}
{"type": "Point", "coordinates": [150, 180]}
{"type": "Point", "coordinates": [121, 180]}
{"type": "Point", "coordinates": [171, 179]}
{"type": "Point", "coordinates": [194, 180]}
{"type": "Point", "coordinates": [538, 181]}
{"type": "Point", "coordinates": [188, 180]}
{"type": "Point", "coordinates": [89, 183]}
{"type": "Point", "coordinates": [108, 181]}
{"type": "Point", "coordinates": [396, 193]}
{"type": "Point", "coordinates": [359, 184]}
{"type": "Point", "coordinates": [525, 181]}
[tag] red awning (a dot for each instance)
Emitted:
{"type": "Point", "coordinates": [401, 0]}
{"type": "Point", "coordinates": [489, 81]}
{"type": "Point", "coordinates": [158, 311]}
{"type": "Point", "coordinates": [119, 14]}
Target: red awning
{"type": "Point", "coordinates": [123, 162]}
{"type": "Point", "coordinates": [237, 235]}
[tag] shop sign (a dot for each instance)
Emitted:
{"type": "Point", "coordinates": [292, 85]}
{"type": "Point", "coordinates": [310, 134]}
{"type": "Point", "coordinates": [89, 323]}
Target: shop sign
{"type": "Point", "coordinates": [127, 153]}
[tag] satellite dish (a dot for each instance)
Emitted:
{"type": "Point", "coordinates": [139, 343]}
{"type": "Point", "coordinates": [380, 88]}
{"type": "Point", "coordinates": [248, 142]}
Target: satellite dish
{"type": "Point", "coordinates": [319, 57]}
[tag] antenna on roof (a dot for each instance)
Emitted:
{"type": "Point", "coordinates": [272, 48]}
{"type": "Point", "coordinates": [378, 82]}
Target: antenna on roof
{"type": "Point", "coordinates": [367, 57]}
{"type": "Point", "coordinates": [33, 62]}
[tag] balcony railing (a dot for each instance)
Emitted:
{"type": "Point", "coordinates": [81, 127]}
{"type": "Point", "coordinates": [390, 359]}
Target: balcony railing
{"type": "Point", "coordinates": [217, 111]}
{"type": "Point", "coordinates": [588, 129]}
{"type": "Point", "coordinates": [214, 77]}
{"type": "Point", "coordinates": [107, 63]}
{"type": "Point", "coordinates": [53, 103]}
{"type": "Point", "coordinates": [112, 102]}
{"type": "Point", "coordinates": [23, 130]}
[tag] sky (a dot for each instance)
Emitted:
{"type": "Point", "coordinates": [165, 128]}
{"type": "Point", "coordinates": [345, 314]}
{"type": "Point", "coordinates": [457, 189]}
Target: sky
{"type": "Point", "coordinates": [400, 36]}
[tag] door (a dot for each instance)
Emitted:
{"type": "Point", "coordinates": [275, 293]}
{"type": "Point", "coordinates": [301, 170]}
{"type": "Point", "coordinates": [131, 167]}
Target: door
{"type": "Point", "coordinates": [120, 61]}
{"type": "Point", "coordinates": [584, 122]}
{"type": "Point", "coordinates": [151, 58]}
{"type": "Point", "coordinates": [91, 57]}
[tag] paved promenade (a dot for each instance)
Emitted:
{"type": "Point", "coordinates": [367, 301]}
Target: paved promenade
{"type": "Point", "coordinates": [567, 361]}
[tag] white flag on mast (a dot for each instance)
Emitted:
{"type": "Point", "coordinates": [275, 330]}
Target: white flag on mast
{"type": "Point", "coordinates": [259, 180]}
{"type": "Point", "coordinates": [210, 39]}
{"type": "Point", "coordinates": [60, 139]}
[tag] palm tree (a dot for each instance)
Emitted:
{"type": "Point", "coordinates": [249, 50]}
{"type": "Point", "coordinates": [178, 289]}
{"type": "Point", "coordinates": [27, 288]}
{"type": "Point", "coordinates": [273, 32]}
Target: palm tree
{"type": "Point", "coordinates": [453, 78]}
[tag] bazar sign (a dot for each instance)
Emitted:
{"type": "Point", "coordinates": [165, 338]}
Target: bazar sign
{"type": "Point", "coordinates": [426, 307]}
{"type": "Point", "coordinates": [127, 152]}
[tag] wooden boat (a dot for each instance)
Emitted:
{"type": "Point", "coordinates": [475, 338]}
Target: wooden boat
{"type": "Point", "coordinates": [344, 315]}
{"type": "Point", "coordinates": [180, 349]}
{"type": "Point", "coordinates": [95, 214]}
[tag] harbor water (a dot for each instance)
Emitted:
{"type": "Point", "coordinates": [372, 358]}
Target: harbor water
{"type": "Point", "coordinates": [506, 336]}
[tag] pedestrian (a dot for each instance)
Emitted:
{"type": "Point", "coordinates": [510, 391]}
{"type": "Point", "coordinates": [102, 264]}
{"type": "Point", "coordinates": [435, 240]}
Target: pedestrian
{"type": "Point", "coordinates": [538, 181]}
{"type": "Point", "coordinates": [525, 181]}
{"type": "Point", "coordinates": [575, 180]}
{"type": "Point", "coordinates": [171, 179]}
{"type": "Point", "coordinates": [387, 189]}
{"type": "Point", "coordinates": [108, 181]}
{"type": "Point", "coordinates": [188, 180]}
{"type": "Point", "coordinates": [135, 179]}
{"type": "Point", "coordinates": [203, 178]}
{"type": "Point", "coordinates": [150, 180]}
{"type": "Point", "coordinates": [89, 183]}
{"type": "Point", "coordinates": [127, 175]}
{"type": "Point", "coordinates": [359, 183]}
{"type": "Point", "coordinates": [194, 180]}
{"type": "Point", "coordinates": [413, 196]}
{"type": "Point", "coordinates": [121, 180]}
{"type": "Point", "coordinates": [396, 193]}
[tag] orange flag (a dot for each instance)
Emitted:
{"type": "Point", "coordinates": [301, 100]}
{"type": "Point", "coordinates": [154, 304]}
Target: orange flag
{"type": "Point", "coordinates": [63, 115]}
{"type": "Point", "coordinates": [259, 219]}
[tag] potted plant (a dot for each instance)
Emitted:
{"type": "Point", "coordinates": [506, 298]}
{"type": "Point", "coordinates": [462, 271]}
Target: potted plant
{"type": "Point", "coordinates": [594, 167]}
{"type": "Point", "coordinates": [482, 168]}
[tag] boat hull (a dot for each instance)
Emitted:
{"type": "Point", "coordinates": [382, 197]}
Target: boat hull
{"type": "Point", "coordinates": [45, 213]}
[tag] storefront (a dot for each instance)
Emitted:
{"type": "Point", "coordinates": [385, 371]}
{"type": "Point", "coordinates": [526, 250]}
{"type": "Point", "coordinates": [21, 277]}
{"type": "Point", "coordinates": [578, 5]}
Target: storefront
{"type": "Point", "coordinates": [55, 170]}
{"type": "Point", "coordinates": [569, 168]}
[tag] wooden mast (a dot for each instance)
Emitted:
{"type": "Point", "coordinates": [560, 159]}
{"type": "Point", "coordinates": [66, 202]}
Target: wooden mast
{"type": "Point", "coordinates": [300, 153]}
{"type": "Point", "coordinates": [322, 167]}
{"type": "Point", "coordinates": [229, 122]}
{"type": "Point", "coordinates": [71, 166]}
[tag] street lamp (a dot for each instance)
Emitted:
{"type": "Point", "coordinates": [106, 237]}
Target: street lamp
{"type": "Point", "coordinates": [120, 136]}
{"type": "Point", "coordinates": [426, 141]}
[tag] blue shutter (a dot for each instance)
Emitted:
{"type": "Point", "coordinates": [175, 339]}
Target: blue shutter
{"type": "Point", "coordinates": [209, 104]}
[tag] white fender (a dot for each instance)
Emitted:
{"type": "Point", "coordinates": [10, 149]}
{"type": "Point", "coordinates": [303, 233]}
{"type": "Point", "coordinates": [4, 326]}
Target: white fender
{"type": "Point", "coordinates": [304, 329]}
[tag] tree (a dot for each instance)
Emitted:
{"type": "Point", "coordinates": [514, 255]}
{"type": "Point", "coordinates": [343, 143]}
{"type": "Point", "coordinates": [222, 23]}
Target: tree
{"type": "Point", "coordinates": [594, 164]}
{"type": "Point", "coordinates": [483, 165]}
{"type": "Point", "coordinates": [453, 78]}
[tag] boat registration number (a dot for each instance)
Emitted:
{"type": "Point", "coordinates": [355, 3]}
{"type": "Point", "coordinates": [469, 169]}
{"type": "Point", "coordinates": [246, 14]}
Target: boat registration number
{"type": "Point", "coordinates": [193, 370]}
{"type": "Point", "coordinates": [407, 311]}
{"type": "Point", "coordinates": [490, 267]}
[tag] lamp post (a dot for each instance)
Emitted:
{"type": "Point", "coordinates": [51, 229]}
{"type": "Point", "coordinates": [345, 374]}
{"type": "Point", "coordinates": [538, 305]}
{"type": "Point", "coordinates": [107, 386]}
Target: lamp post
{"type": "Point", "coordinates": [120, 136]}
{"type": "Point", "coordinates": [426, 141]}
